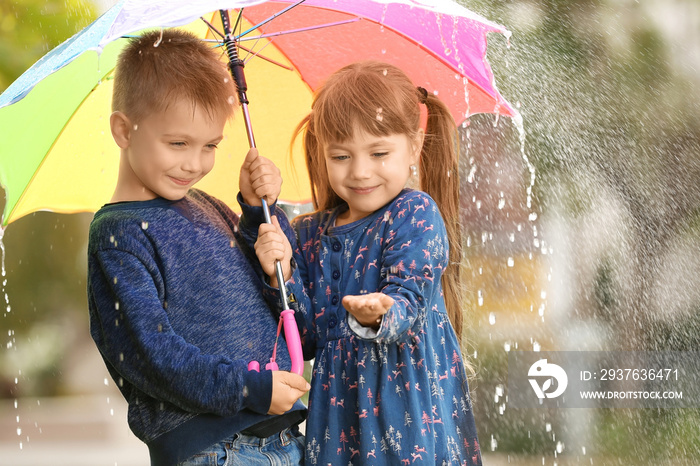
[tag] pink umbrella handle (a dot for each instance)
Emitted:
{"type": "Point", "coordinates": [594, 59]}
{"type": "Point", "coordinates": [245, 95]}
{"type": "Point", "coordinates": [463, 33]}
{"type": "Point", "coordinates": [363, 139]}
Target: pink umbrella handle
{"type": "Point", "coordinates": [291, 335]}
{"type": "Point", "coordinates": [291, 332]}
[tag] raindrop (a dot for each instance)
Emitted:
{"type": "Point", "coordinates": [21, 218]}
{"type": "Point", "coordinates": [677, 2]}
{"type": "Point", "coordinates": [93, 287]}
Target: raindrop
{"type": "Point", "coordinates": [492, 318]}
{"type": "Point", "coordinates": [160, 39]}
{"type": "Point", "coordinates": [548, 427]}
{"type": "Point", "coordinates": [536, 347]}
{"type": "Point", "coordinates": [380, 117]}
{"type": "Point", "coordinates": [383, 51]}
{"type": "Point", "coordinates": [506, 346]}
{"type": "Point", "coordinates": [501, 203]}
{"type": "Point", "coordinates": [472, 172]}
{"type": "Point", "coordinates": [385, 72]}
{"type": "Point", "coordinates": [231, 100]}
{"type": "Point", "coordinates": [106, 381]}
{"type": "Point", "coordinates": [494, 443]}
{"type": "Point", "coordinates": [144, 225]}
{"type": "Point", "coordinates": [136, 127]}
{"type": "Point", "coordinates": [511, 262]}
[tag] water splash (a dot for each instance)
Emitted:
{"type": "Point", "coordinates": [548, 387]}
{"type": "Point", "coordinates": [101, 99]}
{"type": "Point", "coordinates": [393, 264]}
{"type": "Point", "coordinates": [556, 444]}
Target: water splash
{"type": "Point", "coordinates": [160, 39]}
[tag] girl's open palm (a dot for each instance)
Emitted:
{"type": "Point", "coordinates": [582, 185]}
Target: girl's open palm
{"type": "Point", "coordinates": [368, 309]}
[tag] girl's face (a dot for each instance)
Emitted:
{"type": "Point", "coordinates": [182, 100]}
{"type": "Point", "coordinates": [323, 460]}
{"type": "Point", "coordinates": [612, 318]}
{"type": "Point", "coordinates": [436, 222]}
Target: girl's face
{"type": "Point", "coordinates": [369, 171]}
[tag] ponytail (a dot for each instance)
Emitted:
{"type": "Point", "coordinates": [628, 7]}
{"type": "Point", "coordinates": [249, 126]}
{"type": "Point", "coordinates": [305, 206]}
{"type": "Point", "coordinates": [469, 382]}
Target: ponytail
{"type": "Point", "coordinates": [439, 177]}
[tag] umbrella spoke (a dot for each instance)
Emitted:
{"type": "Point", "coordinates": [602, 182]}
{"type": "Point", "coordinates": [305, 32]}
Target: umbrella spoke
{"type": "Point", "coordinates": [263, 57]}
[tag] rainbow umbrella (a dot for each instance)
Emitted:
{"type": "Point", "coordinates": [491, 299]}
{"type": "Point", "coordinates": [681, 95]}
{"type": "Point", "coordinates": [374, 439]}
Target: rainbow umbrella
{"type": "Point", "coordinates": [56, 149]}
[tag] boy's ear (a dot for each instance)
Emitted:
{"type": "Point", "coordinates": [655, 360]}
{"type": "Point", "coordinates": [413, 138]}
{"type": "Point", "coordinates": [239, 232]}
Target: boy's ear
{"type": "Point", "coordinates": [121, 129]}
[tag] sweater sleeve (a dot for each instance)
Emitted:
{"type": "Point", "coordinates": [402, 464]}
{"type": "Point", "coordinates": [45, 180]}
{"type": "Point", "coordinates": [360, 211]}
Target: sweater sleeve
{"type": "Point", "coordinates": [132, 331]}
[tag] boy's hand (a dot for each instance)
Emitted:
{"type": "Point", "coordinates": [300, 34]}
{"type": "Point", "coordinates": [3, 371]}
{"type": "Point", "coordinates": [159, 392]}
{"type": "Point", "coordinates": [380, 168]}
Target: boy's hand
{"type": "Point", "coordinates": [368, 309]}
{"type": "Point", "coordinates": [259, 178]}
{"type": "Point", "coordinates": [272, 245]}
{"type": "Point", "coordinates": [287, 388]}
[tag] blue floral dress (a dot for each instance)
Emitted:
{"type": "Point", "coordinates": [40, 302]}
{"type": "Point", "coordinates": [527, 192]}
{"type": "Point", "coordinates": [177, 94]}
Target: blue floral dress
{"type": "Point", "coordinates": [394, 396]}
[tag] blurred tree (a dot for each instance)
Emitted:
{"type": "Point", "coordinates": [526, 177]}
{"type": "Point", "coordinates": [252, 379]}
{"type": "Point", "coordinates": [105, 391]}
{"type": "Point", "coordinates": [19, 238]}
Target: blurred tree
{"type": "Point", "coordinates": [613, 127]}
{"type": "Point", "coordinates": [30, 28]}
{"type": "Point", "coordinates": [44, 286]}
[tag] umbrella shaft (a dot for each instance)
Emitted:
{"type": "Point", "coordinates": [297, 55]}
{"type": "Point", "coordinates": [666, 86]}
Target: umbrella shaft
{"type": "Point", "coordinates": [248, 124]}
{"type": "Point", "coordinates": [236, 67]}
{"type": "Point", "coordinates": [278, 264]}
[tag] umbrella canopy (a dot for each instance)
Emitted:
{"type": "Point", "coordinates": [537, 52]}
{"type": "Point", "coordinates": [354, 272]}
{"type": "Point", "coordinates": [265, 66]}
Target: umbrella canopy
{"type": "Point", "coordinates": [57, 152]}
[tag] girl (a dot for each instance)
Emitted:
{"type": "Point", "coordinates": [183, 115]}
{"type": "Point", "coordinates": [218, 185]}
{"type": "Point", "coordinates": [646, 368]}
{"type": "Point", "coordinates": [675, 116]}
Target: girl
{"type": "Point", "coordinates": [372, 279]}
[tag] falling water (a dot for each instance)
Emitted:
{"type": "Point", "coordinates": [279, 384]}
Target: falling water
{"type": "Point", "coordinates": [11, 343]}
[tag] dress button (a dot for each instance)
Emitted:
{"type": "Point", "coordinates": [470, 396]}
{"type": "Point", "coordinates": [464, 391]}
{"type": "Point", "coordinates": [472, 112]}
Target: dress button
{"type": "Point", "coordinates": [334, 300]}
{"type": "Point", "coordinates": [336, 247]}
{"type": "Point", "coordinates": [332, 321]}
{"type": "Point", "coordinates": [336, 274]}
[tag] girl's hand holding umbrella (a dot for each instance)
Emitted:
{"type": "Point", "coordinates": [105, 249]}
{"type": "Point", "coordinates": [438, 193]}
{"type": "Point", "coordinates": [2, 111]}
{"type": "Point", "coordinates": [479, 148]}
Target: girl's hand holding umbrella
{"type": "Point", "coordinates": [272, 245]}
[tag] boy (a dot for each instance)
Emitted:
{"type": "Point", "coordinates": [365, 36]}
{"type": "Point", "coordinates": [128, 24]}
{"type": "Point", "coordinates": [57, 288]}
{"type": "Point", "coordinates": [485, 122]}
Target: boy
{"type": "Point", "coordinates": [174, 287]}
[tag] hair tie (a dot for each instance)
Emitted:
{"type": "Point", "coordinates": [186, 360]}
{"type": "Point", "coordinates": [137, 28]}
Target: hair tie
{"type": "Point", "coordinates": [423, 95]}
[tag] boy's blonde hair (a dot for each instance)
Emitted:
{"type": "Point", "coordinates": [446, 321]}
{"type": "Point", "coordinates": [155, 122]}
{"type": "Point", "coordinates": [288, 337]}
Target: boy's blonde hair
{"type": "Point", "coordinates": [161, 66]}
{"type": "Point", "coordinates": [381, 99]}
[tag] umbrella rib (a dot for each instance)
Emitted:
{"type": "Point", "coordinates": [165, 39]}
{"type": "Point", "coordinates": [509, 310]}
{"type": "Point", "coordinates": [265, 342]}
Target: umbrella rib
{"type": "Point", "coordinates": [292, 31]}
{"type": "Point", "coordinates": [212, 28]}
{"type": "Point", "coordinates": [265, 21]}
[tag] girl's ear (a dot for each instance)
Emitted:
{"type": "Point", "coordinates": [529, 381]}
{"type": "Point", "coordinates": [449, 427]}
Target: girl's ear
{"type": "Point", "coordinates": [121, 129]}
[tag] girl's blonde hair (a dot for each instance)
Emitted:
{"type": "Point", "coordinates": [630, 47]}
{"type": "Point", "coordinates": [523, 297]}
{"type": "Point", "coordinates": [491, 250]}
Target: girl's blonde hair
{"type": "Point", "coordinates": [382, 100]}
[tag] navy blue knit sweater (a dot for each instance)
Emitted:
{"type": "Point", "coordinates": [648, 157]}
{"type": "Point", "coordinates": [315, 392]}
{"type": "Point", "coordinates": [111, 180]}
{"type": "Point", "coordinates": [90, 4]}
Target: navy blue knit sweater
{"type": "Point", "coordinates": [176, 310]}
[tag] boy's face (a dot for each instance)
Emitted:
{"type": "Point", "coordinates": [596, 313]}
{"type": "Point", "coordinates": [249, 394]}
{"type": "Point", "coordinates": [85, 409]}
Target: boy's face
{"type": "Point", "coordinates": [168, 152]}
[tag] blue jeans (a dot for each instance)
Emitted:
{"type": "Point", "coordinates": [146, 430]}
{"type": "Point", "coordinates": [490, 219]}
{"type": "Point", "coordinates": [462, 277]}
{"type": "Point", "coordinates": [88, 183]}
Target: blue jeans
{"type": "Point", "coordinates": [283, 449]}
